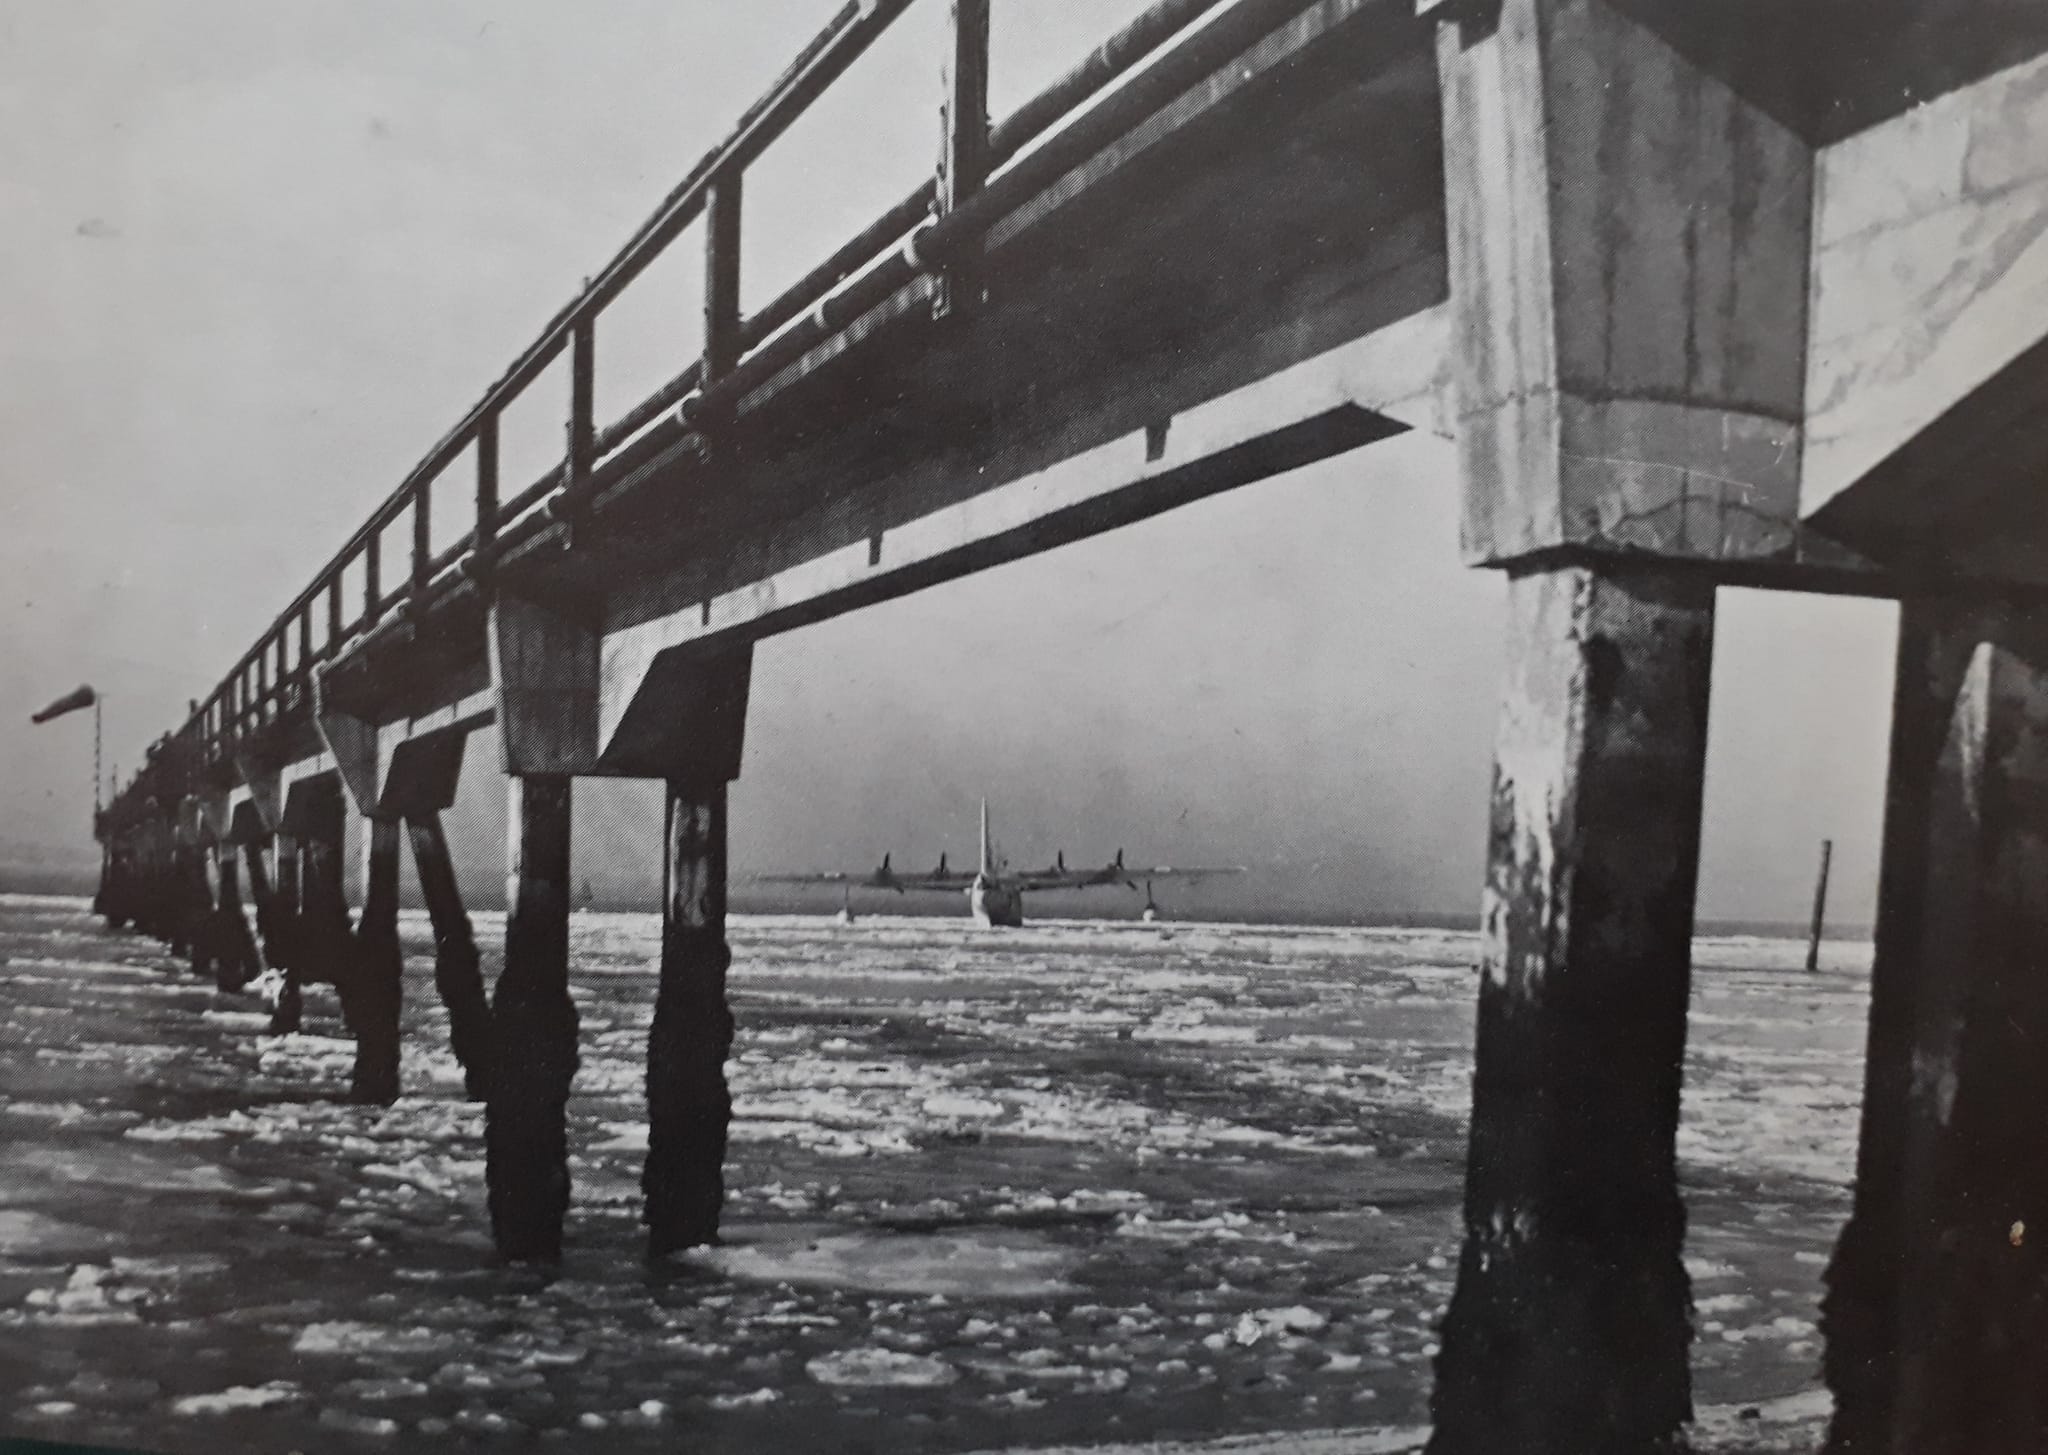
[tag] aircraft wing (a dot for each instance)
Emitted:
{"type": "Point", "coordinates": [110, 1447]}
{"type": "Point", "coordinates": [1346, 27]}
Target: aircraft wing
{"type": "Point", "coordinates": [885, 876]}
{"type": "Point", "coordinates": [1114, 874]}
{"type": "Point", "coordinates": [951, 879]}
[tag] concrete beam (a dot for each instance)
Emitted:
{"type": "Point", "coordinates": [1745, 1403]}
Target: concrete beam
{"type": "Point", "coordinates": [544, 672]}
{"type": "Point", "coordinates": [1383, 384]}
{"type": "Point", "coordinates": [1927, 364]}
{"type": "Point", "coordinates": [1628, 241]}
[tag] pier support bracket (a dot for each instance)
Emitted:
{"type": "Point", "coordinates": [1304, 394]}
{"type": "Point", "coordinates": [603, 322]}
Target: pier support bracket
{"type": "Point", "coordinates": [425, 773]}
{"type": "Point", "coordinates": [1570, 1325]}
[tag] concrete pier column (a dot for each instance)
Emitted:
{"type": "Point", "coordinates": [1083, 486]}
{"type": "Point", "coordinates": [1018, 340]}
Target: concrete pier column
{"type": "Point", "coordinates": [323, 946]}
{"type": "Point", "coordinates": [689, 1108]}
{"type": "Point", "coordinates": [234, 950]}
{"type": "Point", "coordinates": [457, 975]}
{"type": "Point", "coordinates": [189, 902]}
{"type": "Point", "coordinates": [533, 1029]}
{"type": "Point", "coordinates": [325, 919]}
{"type": "Point", "coordinates": [282, 946]}
{"type": "Point", "coordinates": [202, 912]}
{"type": "Point", "coordinates": [1937, 1307]}
{"type": "Point", "coordinates": [376, 986]}
{"type": "Point", "coordinates": [1570, 1325]}
{"type": "Point", "coordinates": [263, 897]}
{"type": "Point", "coordinates": [284, 922]}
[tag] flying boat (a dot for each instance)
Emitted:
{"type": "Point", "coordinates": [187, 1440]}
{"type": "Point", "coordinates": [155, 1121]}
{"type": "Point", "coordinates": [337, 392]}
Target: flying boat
{"type": "Point", "coordinates": [994, 890]}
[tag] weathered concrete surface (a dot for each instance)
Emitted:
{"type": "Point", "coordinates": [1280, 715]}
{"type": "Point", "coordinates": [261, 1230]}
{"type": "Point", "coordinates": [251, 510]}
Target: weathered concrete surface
{"type": "Point", "coordinates": [689, 1107]}
{"type": "Point", "coordinates": [1937, 1311]}
{"type": "Point", "coordinates": [1628, 255]}
{"type": "Point", "coordinates": [533, 1030]}
{"type": "Point", "coordinates": [1569, 1328]}
{"type": "Point", "coordinates": [1926, 375]}
{"type": "Point", "coordinates": [544, 669]}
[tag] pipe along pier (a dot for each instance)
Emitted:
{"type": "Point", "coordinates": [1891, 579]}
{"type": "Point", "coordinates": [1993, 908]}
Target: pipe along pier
{"type": "Point", "coordinates": [1753, 294]}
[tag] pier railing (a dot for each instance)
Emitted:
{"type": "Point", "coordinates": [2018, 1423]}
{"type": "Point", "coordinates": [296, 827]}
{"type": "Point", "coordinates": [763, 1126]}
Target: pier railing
{"type": "Point", "coordinates": [984, 172]}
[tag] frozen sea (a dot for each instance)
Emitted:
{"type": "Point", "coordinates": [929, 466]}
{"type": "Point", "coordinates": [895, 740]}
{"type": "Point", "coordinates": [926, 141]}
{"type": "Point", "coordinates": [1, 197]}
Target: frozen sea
{"type": "Point", "coordinates": [1080, 1184]}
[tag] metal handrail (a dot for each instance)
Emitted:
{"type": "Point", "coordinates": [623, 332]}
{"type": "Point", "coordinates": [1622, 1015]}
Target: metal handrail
{"type": "Point", "coordinates": [918, 234]}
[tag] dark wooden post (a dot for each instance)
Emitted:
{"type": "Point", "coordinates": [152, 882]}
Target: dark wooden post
{"type": "Point", "coordinates": [1937, 1307]}
{"type": "Point", "coordinates": [1569, 1328]}
{"type": "Point", "coordinates": [486, 483]}
{"type": "Point", "coordinates": [373, 572]}
{"type": "Point", "coordinates": [379, 971]}
{"type": "Point", "coordinates": [533, 1030]}
{"type": "Point", "coordinates": [963, 160]}
{"type": "Point", "coordinates": [457, 975]}
{"type": "Point", "coordinates": [582, 426]}
{"type": "Point", "coordinates": [689, 1109]}
{"type": "Point", "coordinates": [722, 276]}
{"type": "Point", "coordinates": [1820, 907]}
{"type": "Point", "coordinates": [422, 538]}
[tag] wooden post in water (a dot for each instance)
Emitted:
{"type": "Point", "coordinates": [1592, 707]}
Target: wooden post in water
{"type": "Point", "coordinates": [457, 976]}
{"type": "Point", "coordinates": [533, 1029]}
{"type": "Point", "coordinates": [689, 1108]}
{"type": "Point", "coordinates": [1571, 1321]}
{"type": "Point", "coordinates": [1937, 1331]}
{"type": "Point", "coordinates": [378, 970]}
{"type": "Point", "coordinates": [1820, 907]}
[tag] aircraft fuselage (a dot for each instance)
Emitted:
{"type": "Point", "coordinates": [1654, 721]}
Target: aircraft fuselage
{"type": "Point", "coordinates": [994, 903]}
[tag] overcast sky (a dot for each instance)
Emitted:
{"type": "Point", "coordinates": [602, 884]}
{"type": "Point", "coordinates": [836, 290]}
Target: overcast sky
{"type": "Point", "coordinates": [255, 257]}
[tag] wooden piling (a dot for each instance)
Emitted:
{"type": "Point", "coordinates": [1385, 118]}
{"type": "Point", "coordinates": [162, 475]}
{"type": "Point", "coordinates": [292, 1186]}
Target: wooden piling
{"type": "Point", "coordinates": [1569, 1327]}
{"type": "Point", "coordinates": [533, 1030]}
{"type": "Point", "coordinates": [376, 991]}
{"type": "Point", "coordinates": [1820, 907]}
{"type": "Point", "coordinates": [457, 976]}
{"type": "Point", "coordinates": [1935, 1314]}
{"type": "Point", "coordinates": [689, 1108]}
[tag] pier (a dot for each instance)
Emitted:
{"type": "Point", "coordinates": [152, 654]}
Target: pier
{"type": "Point", "coordinates": [1750, 295]}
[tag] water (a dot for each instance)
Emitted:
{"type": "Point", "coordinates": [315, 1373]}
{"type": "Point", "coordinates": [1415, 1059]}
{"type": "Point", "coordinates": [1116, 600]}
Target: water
{"type": "Point", "coordinates": [1077, 1183]}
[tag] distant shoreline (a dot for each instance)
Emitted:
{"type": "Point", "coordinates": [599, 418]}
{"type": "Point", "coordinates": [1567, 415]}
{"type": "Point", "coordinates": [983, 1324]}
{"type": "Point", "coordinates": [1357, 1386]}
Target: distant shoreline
{"type": "Point", "coordinates": [20, 879]}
